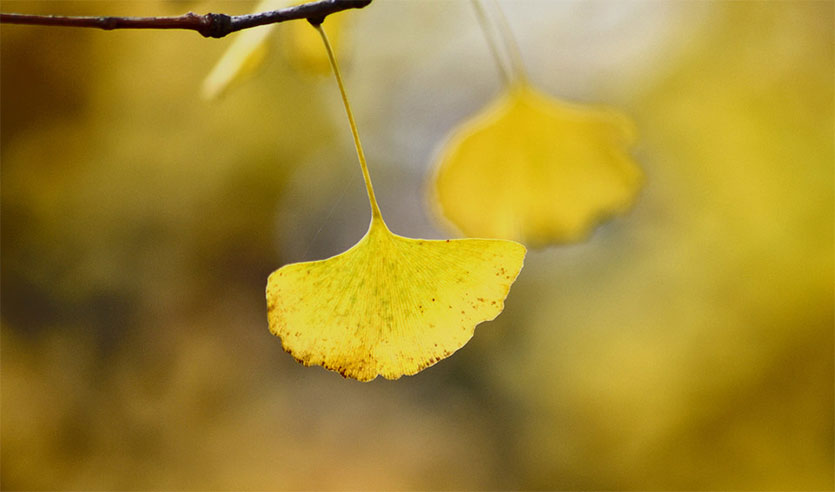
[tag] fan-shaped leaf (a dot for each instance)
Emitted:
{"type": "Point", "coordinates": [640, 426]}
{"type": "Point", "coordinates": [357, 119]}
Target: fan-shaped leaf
{"type": "Point", "coordinates": [537, 170]}
{"type": "Point", "coordinates": [390, 305]}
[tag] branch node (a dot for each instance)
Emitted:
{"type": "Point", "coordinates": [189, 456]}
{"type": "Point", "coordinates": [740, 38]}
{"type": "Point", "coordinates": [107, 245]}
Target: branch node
{"type": "Point", "coordinates": [108, 23]}
{"type": "Point", "coordinates": [217, 25]}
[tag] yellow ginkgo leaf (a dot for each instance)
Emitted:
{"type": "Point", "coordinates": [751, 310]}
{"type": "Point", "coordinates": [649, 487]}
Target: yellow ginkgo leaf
{"type": "Point", "coordinates": [390, 305]}
{"type": "Point", "coordinates": [249, 48]}
{"type": "Point", "coordinates": [537, 170]}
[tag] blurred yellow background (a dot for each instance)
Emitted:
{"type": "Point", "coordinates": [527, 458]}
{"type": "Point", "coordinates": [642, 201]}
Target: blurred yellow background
{"type": "Point", "coordinates": [688, 345]}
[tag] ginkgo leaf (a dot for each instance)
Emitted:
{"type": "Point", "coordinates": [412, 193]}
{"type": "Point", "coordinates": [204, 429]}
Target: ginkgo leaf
{"type": "Point", "coordinates": [243, 56]}
{"type": "Point", "coordinates": [534, 169]}
{"type": "Point", "coordinates": [390, 305]}
{"type": "Point", "coordinates": [249, 48]}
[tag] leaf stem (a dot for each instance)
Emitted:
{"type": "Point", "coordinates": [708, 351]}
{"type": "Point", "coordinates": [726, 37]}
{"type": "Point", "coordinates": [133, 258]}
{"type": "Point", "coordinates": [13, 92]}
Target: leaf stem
{"type": "Point", "coordinates": [375, 209]}
{"type": "Point", "coordinates": [513, 71]}
{"type": "Point", "coordinates": [511, 44]}
{"type": "Point", "coordinates": [484, 22]}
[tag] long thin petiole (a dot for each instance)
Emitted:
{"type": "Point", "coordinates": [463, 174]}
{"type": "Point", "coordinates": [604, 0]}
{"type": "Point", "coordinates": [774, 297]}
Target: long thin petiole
{"type": "Point", "coordinates": [516, 71]}
{"type": "Point", "coordinates": [375, 209]}
{"type": "Point", "coordinates": [511, 44]}
{"type": "Point", "coordinates": [491, 41]}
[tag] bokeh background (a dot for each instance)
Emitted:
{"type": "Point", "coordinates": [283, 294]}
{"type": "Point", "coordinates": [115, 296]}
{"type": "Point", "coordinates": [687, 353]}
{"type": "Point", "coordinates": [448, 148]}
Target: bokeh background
{"type": "Point", "coordinates": [688, 345]}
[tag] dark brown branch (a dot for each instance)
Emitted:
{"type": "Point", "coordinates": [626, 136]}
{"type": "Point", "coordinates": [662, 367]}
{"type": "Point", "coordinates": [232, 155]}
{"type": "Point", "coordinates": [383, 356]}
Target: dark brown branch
{"type": "Point", "coordinates": [209, 25]}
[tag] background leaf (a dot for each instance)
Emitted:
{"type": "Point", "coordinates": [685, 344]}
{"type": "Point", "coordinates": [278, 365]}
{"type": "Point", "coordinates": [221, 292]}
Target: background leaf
{"type": "Point", "coordinates": [536, 170]}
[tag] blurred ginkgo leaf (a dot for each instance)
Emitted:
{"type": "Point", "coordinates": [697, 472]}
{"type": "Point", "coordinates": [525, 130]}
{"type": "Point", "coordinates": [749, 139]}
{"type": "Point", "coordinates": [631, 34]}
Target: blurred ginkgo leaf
{"type": "Point", "coordinates": [531, 168]}
{"type": "Point", "coordinates": [243, 56]}
{"type": "Point", "coordinates": [390, 305]}
{"type": "Point", "coordinates": [247, 51]}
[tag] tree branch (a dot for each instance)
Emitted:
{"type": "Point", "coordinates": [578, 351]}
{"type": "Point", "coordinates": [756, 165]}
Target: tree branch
{"type": "Point", "coordinates": [209, 25]}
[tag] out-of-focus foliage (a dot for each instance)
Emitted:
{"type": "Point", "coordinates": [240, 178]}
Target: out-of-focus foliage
{"type": "Point", "coordinates": [390, 305]}
{"type": "Point", "coordinates": [243, 56]}
{"type": "Point", "coordinates": [687, 345]}
{"type": "Point", "coordinates": [249, 48]}
{"type": "Point", "coordinates": [536, 170]}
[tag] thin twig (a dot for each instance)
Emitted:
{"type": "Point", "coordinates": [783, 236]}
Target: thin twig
{"type": "Point", "coordinates": [209, 25]}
